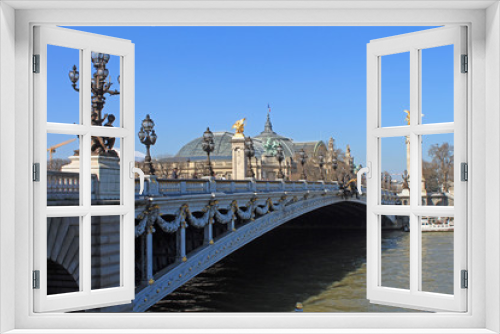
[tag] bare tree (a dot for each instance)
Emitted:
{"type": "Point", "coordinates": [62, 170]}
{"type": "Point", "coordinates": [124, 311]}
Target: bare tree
{"type": "Point", "coordinates": [443, 159]}
{"type": "Point", "coordinates": [56, 164]}
{"type": "Point", "coordinates": [431, 176]}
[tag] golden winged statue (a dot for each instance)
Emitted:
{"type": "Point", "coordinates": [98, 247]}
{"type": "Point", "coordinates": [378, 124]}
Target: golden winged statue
{"type": "Point", "coordinates": [239, 126]}
{"type": "Point", "coordinates": [407, 116]}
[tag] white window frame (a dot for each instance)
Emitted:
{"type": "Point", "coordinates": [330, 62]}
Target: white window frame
{"type": "Point", "coordinates": [86, 44]}
{"type": "Point", "coordinates": [483, 21]}
{"type": "Point", "coordinates": [414, 43]}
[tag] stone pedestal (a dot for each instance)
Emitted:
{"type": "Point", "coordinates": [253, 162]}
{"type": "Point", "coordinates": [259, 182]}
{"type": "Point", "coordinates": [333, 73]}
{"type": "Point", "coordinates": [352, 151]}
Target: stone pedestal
{"type": "Point", "coordinates": [106, 182]}
{"type": "Point", "coordinates": [424, 188]}
{"type": "Point", "coordinates": [239, 159]}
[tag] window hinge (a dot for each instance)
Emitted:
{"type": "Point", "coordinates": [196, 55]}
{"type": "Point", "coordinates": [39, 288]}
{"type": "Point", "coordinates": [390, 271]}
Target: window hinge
{"type": "Point", "coordinates": [36, 279]}
{"type": "Point", "coordinates": [36, 63]}
{"type": "Point", "coordinates": [36, 172]}
{"type": "Point", "coordinates": [465, 64]}
{"type": "Point", "coordinates": [465, 279]}
{"type": "Point", "coordinates": [464, 171]}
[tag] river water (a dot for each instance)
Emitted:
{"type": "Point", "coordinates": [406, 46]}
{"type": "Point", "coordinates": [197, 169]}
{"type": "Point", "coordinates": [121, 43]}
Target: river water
{"type": "Point", "coordinates": [321, 267]}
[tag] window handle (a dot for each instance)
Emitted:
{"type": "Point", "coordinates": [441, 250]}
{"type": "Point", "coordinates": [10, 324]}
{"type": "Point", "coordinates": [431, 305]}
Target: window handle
{"type": "Point", "coordinates": [139, 171]}
{"type": "Point", "coordinates": [368, 171]}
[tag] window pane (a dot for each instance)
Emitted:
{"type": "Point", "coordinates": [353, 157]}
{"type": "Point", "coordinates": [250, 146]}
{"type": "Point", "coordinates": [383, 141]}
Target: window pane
{"type": "Point", "coordinates": [105, 89]}
{"type": "Point", "coordinates": [63, 170]}
{"type": "Point", "coordinates": [105, 252]}
{"type": "Point", "coordinates": [105, 169]}
{"type": "Point", "coordinates": [437, 84]}
{"type": "Point", "coordinates": [63, 101]}
{"type": "Point", "coordinates": [437, 170]}
{"type": "Point", "coordinates": [395, 251]}
{"type": "Point", "coordinates": [437, 254]}
{"type": "Point", "coordinates": [395, 90]}
{"type": "Point", "coordinates": [395, 167]}
{"type": "Point", "coordinates": [63, 255]}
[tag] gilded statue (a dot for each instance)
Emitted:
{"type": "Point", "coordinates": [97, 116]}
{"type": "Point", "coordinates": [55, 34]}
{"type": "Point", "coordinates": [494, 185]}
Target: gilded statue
{"type": "Point", "coordinates": [239, 127]}
{"type": "Point", "coordinates": [407, 119]}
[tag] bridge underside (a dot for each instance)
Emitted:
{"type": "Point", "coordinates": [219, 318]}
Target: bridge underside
{"type": "Point", "coordinates": [341, 215]}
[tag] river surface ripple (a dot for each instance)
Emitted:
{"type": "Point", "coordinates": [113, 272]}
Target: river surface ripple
{"type": "Point", "coordinates": [321, 267]}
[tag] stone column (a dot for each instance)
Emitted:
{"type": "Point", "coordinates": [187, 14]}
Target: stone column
{"type": "Point", "coordinates": [239, 159]}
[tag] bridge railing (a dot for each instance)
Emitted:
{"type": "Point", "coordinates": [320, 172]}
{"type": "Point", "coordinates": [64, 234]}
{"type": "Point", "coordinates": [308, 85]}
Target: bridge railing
{"type": "Point", "coordinates": [63, 183]}
{"type": "Point", "coordinates": [171, 187]}
{"type": "Point", "coordinates": [66, 186]}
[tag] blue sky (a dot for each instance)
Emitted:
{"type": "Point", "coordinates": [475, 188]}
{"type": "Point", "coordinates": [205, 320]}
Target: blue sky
{"type": "Point", "coordinates": [314, 78]}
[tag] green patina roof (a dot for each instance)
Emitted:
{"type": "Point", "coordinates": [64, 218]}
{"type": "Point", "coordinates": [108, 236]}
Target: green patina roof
{"type": "Point", "coordinates": [222, 140]}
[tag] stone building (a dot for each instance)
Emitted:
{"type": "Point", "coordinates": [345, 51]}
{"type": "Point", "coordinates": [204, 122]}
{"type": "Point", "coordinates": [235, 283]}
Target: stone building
{"type": "Point", "coordinates": [191, 161]}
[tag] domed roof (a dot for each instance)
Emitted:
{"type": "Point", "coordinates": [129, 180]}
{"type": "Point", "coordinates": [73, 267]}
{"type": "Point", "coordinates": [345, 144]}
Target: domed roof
{"type": "Point", "coordinates": [222, 150]}
{"type": "Point", "coordinates": [269, 136]}
{"type": "Point", "coordinates": [223, 143]}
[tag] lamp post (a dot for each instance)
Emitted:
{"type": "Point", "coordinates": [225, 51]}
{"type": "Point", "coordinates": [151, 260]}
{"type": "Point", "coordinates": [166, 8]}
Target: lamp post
{"type": "Point", "coordinates": [99, 88]}
{"type": "Point", "coordinates": [303, 159]}
{"type": "Point", "coordinates": [387, 181]}
{"type": "Point", "coordinates": [335, 165]}
{"type": "Point", "coordinates": [147, 136]}
{"type": "Point", "coordinates": [249, 153]}
{"type": "Point", "coordinates": [208, 146]}
{"type": "Point", "coordinates": [335, 162]}
{"type": "Point", "coordinates": [406, 180]}
{"type": "Point", "coordinates": [280, 156]}
{"type": "Point", "coordinates": [352, 166]}
{"type": "Point", "coordinates": [321, 163]}
{"type": "Point", "coordinates": [343, 182]}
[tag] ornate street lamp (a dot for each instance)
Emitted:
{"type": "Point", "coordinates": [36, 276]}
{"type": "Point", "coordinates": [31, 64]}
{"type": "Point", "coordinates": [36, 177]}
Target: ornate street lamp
{"type": "Point", "coordinates": [147, 136]}
{"type": "Point", "coordinates": [249, 153]}
{"type": "Point", "coordinates": [406, 180]}
{"type": "Point", "coordinates": [343, 179]}
{"type": "Point", "coordinates": [335, 162]}
{"type": "Point", "coordinates": [303, 159]}
{"type": "Point", "coordinates": [388, 181]}
{"type": "Point", "coordinates": [280, 156]}
{"type": "Point", "coordinates": [352, 165]}
{"type": "Point", "coordinates": [208, 146]}
{"type": "Point", "coordinates": [74, 75]}
{"type": "Point", "coordinates": [321, 163]}
{"type": "Point", "coordinates": [99, 87]}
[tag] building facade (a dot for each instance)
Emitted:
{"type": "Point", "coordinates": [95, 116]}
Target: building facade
{"type": "Point", "coordinates": [191, 161]}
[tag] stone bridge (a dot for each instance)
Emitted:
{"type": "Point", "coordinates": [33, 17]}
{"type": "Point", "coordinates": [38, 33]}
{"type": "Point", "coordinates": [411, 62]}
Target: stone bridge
{"type": "Point", "coordinates": [185, 226]}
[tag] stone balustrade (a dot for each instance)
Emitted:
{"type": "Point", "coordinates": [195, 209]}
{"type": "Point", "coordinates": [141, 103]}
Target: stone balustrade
{"type": "Point", "coordinates": [65, 186]}
{"type": "Point", "coordinates": [62, 183]}
{"type": "Point", "coordinates": [169, 187]}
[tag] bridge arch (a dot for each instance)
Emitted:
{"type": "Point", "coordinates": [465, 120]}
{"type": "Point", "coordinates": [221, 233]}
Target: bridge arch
{"type": "Point", "coordinates": [243, 229]}
{"type": "Point", "coordinates": [63, 254]}
{"type": "Point", "coordinates": [339, 215]}
{"type": "Point", "coordinates": [59, 279]}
